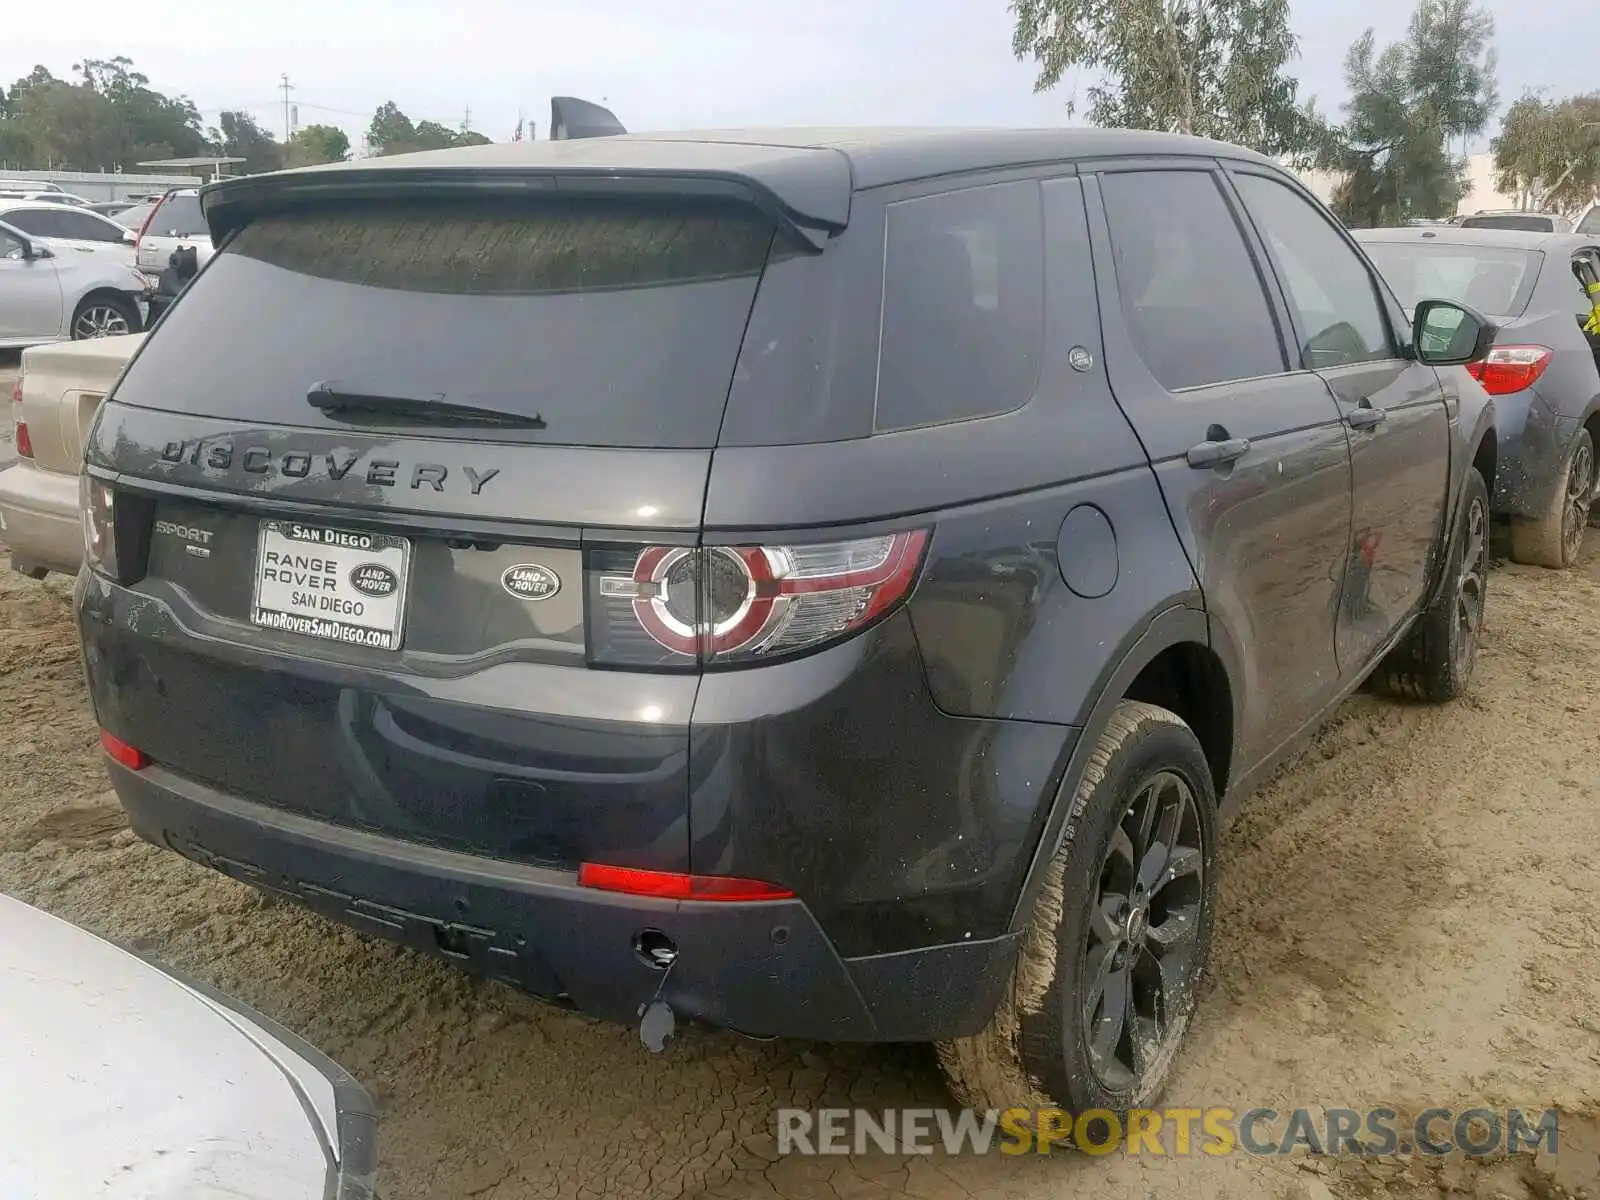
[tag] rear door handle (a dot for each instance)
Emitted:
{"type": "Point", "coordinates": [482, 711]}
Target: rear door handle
{"type": "Point", "coordinates": [1217, 453]}
{"type": "Point", "coordinates": [1366, 417]}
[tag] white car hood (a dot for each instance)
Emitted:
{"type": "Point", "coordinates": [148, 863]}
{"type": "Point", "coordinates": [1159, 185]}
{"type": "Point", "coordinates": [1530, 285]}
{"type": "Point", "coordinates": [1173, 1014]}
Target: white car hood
{"type": "Point", "coordinates": [122, 1080]}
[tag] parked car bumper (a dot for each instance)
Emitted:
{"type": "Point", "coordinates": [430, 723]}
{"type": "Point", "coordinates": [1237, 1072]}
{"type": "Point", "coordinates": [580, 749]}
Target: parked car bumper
{"type": "Point", "coordinates": [1532, 441]}
{"type": "Point", "coordinates": [763, 968]}
{"type": "Point", "coordinates": [39, 519]}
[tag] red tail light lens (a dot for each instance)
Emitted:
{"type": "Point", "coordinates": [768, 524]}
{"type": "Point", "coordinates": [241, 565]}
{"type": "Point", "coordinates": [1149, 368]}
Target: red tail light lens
{"type": "Point", "coordinates": [727, 604]}
{"type": "Point", "coordinates": [670, 885]}
{"type": "Point", "coordinates": [23, 439]}
{"type": "Point", "coordinates": [129, 756]}
{"type": "Point", "coordinates": [1510, 369]}
{"type": "Point", "coordinates": [144, 225]}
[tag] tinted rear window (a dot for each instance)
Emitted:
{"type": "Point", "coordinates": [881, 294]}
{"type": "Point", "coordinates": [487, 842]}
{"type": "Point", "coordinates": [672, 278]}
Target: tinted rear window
{"type": "Point", "coordinates": [133, 217]}
{"type": "Point", "coordinates": [1529, 222]}
{"type": "Point", "coordinates": [179, 216]}
{"type": "Point", "coordinates": [617, 323]}
{"type": "Point", "coordinates": [1494, 280]}
{"type": "Point", "coordinates": [963, 305]}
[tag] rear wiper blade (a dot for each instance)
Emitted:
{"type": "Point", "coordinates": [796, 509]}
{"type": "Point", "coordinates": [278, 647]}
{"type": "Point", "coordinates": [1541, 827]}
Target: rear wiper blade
{"type": "Point", "coordinates": [434, 407]}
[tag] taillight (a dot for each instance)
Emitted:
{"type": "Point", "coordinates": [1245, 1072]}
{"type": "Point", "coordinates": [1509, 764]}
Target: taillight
{"type": "Point", "coordinates": [97, 505]}
{"type": "Point", "coordinates": [129, 756]}
{"type": "Point", "coordinates": [728, 604]}
{"type": "Point", "coordinates": [24, 440]}
{"type": "Point", "coordinates": [145, 224]}
{"type": "Point", "coordinates": [1510, 369]}
{"type": "Point", "coordinates": [672, 885]}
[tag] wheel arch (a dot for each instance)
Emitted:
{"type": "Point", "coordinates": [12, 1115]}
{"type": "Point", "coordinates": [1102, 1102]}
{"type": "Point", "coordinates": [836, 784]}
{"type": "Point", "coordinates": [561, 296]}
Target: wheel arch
{"type": "Point", "coordinates": [107, 292]}
{"type": "Point", "coordinates": [1168, 661]}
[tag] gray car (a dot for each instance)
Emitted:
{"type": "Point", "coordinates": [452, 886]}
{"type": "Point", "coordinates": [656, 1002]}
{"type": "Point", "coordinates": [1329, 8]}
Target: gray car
{"type": "Point", "coordinates": [1542, 371]}
{"type": "Point", "coordinates": [819, 583]}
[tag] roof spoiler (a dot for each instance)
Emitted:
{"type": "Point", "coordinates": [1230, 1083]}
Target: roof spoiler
{"type": "Point", "coordinates": [574, 118]}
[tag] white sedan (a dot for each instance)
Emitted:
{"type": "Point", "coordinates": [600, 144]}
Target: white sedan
{"type": "Point", "coordinates": [50, 292]}
{"type": "Point", "coordinates": [125, 1081]}
{"type": "Point", "coordinates": [59, 226]}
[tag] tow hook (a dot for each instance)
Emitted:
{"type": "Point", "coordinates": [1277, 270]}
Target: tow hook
{"type": "Point", "coordinates": [657, 1023]}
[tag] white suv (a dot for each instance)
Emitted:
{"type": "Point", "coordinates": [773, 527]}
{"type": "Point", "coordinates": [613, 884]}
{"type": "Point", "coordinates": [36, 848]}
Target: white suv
{"type": "Point", "coordinates": [174, 223]}
{"type": "Point", "coordinates": [51, 295]}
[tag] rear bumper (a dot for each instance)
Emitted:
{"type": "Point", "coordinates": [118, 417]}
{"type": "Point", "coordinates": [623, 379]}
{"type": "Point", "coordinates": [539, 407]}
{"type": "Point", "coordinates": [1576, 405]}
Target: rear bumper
{"type": "Point", "coordinates": [1532, 442]}
{"type": "Point", "coordinates": [765, 969]}
{"type": "Point", "coordinates": [39, 519]}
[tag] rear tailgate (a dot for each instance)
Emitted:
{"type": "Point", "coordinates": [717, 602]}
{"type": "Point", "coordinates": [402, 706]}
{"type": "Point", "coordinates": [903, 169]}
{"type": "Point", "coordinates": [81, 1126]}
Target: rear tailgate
{"type": "Point", "coordinates": [392, 620]}
{"type": "Point", "coordinates": [63, 384]}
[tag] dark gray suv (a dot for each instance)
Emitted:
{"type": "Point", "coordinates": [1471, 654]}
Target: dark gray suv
{"type": "Point", "coordinates": [819, 586]}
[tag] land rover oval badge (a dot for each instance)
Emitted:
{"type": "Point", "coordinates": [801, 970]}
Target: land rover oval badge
{"type": "Point", "coordinates": [530, 581]}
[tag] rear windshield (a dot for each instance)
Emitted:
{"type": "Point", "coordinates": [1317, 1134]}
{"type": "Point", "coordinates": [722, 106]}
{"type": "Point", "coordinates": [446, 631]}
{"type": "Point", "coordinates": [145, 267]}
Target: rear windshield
{"type": "Point", "coordinates": [179, 216]}
{"type": "Point", "coordinates": [132, 217]}
{"type": "Point", "coordinates": [1528, 222]}
{"type": "Point", "coordinates": [1494, 280]}
{"type": "Point", "coordinates": [616, 323]}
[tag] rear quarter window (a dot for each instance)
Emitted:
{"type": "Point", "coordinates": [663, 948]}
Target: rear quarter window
{"type": "Point", "coordinates": [963, 305]}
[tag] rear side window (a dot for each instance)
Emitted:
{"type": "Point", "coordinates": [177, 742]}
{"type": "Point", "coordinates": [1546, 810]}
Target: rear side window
{"type": "Point", "coordinates": [963, 305]}
{"type": "Point", "coordinates": [179, 216]}
{"type": "Point", "coordinates": [617, 323]}
{"type": "Point", "coordinates": [1190, 291]}
{"type": "Point", "coordinates": [37, 222]}
{"type": "Point", "coordinates": [1591, 221]}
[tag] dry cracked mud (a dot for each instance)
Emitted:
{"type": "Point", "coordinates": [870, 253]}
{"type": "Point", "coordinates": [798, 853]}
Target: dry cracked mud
{"type": "Point", "coordinates": [1408, 917]}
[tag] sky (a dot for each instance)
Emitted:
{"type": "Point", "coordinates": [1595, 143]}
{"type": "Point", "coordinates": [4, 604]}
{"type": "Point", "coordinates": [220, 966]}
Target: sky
{"type": "Point", "coordinates": [692, 63]}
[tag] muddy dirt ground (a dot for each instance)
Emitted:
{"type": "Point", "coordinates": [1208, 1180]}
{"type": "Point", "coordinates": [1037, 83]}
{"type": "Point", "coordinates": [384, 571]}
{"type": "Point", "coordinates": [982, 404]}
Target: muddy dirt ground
{"type": "Point", "coordinates": [1408, 917]}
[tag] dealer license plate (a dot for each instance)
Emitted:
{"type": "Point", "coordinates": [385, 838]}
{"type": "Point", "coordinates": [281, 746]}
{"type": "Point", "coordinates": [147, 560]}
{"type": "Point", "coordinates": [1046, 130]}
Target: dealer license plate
{"type": "Point", "coordinates": [335, 584]}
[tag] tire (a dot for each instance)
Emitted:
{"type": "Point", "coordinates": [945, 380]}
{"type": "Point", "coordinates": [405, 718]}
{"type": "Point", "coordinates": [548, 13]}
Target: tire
{"type": "Point", "coordinates": [1555, 538]}
{"type": "Point", "coordinates": [104, 316]}
{"type": "Point", "coordinates": [1434, 662]}
{"type": "Point", "coordinates": [1036, 1049]}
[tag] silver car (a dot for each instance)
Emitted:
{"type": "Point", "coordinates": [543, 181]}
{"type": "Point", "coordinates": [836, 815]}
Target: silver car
{"type": "Point", "coordinates": [51, 292]}
{"type": "Point", "coordinates": [125, 1079]}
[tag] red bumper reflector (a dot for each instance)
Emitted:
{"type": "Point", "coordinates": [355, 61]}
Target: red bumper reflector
{"type": "Point", "coordinates": [130, 757]}
{"type": "Point", "coordinates": [670, 885]}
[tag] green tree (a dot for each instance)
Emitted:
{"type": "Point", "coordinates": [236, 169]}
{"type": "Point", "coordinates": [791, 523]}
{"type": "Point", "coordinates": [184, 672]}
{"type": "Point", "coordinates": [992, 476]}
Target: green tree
{"type": "Point", "coordinates": [109, 117]}
{"type": "Point", "coordinates": [1548, 152]}
{"type": "Point", "coordinates": [1209, 67]}
{"type": "Point", "coordinates": [241, 137]}
{"type": "Point", "coordinates": [317, 144]}
{"type": "Point", "coordinates": [1407, 103]}
{"type": "Point", "coordinates": [392, 132]}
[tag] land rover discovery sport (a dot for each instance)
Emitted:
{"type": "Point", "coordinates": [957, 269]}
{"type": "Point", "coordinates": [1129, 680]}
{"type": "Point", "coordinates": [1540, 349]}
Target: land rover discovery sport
{"type": "Point", "coordinates": [819, 585]}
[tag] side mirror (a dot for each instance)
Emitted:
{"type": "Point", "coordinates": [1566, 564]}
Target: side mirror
{"type": "Point", "coordinates": [129, 236]}
{"type": "Point", "coordinates": [1451, 335]}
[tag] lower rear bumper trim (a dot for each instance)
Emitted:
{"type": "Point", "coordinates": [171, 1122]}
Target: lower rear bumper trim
{"type": "Point", "coordinates": [762, 968]}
